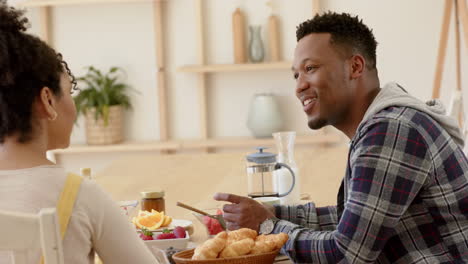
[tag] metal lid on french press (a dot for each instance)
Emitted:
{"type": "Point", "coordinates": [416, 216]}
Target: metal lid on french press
{"type": "Point", "coordinates": [261, 157]}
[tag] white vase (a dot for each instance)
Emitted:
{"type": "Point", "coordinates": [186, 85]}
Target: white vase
{"type": "Point", "coordinates": [264, 116]}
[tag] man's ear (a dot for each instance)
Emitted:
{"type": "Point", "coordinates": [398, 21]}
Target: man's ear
{"type": "Point", "coordinates": [47, 103]}
{"type": "Point", "coordinates": [358, 64]}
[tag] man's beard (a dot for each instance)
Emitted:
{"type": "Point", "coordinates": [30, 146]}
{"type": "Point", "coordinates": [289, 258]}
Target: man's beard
{"type": "Point", "coordinates": [317, 124]}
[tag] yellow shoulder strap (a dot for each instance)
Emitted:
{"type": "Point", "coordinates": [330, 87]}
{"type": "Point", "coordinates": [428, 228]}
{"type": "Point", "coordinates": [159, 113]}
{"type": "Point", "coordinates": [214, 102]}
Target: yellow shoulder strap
{"type": "Point", "coordinates": [66, 202]}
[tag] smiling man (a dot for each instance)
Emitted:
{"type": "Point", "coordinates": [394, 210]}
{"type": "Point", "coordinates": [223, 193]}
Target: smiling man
{"type": "Point", "coordinates": [404, 197]}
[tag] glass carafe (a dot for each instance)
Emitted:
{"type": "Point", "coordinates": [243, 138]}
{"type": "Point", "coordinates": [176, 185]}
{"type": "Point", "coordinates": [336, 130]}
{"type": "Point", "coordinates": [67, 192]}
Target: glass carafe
{"type": "Point", "coordinates": [285, 145]}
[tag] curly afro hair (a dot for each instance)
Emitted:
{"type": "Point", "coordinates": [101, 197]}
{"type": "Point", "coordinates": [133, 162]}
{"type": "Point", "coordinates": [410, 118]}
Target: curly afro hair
{"type": "Point", "coordinates": [27, 64]}
{"type": "Point", "coordinates": [347, 32]}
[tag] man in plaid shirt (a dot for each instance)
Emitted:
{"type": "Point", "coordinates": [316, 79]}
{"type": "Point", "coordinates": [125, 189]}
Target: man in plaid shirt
{"type": "Point", "coordinates": [404, 198]}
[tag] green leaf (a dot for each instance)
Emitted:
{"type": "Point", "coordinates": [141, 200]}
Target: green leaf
{"type": "Point", "coordinates": [146, 232]}
{"type": "Point", "coordinates": [102, 90]}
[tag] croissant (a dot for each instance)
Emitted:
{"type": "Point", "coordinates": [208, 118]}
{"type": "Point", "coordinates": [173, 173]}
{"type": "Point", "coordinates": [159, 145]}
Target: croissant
{"type": "Point", "coordinates": [261, 237]}
{"type": "Point", "coordinates": [211, 248]}
{"type": "Point", "coordinates": [277, 239]}
{"type": "Point", "coordinates": [240, 234]}
{"type": "Point", "coordinates": [238, 248]}
{"type": "Point", "coordinates": [263, 247]}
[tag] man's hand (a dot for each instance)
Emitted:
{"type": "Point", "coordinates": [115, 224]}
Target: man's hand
{"type": "Point", "coordinates": [243, 211]}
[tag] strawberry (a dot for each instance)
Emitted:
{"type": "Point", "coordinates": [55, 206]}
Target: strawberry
{"type": "Point", "coordinates": [179, 232]}
{"type": "Point", "coordinates": [146, 234]}
{"type": "Point", "coordinates": [166, 236]}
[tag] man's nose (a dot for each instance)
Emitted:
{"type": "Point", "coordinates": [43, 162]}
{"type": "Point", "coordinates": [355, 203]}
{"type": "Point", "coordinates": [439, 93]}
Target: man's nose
{"type": "Point", "coordinates": [301, 84]}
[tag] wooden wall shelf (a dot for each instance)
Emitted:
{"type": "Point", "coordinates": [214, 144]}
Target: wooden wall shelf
{"type": "Point", "coordinates": [282, 65]}
{"type": "Point", "coordinates": [246, 142]}
{"type": "Point", "coordinates": [45, 8]}
{"type": "Point", "coordinates": [240, 142]}
{"type": "Point", "coordinates": [42, 3]}
{"type": "Point", "coordinates": [165, 145]}
{"type": "Point", "coordinates": [202, 69]}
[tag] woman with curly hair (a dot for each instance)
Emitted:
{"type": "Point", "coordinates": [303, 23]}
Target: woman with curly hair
{"type": "Point", "coordinates": [37, 114]}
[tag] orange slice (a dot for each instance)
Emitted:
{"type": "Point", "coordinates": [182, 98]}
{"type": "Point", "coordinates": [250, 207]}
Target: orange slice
{"type": "Point", "coordinates": [167, 220]}
{"type": "Point", "coordinates": [143, 213]}
{"type": "Point", "coordinates": [150, 221]}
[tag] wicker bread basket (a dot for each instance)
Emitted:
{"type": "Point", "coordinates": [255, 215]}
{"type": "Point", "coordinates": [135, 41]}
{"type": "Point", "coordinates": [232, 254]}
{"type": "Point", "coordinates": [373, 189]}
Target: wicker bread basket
{"type": "Point", "coordinates": [185, 257]}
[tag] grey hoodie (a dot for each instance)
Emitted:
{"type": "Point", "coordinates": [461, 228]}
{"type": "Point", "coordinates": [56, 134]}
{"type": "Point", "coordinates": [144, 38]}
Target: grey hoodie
{"type": "Point", "coordinates": [393, 94]}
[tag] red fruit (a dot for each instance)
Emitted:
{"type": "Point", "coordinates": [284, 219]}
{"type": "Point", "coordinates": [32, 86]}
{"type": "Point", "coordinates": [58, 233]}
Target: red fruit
{"type": "Point", "coordinates": [207, 220]}
{"type": "Point", "coordinates": [215, 227]}
{"type": "Point", "coordinates": [146, 235]}
{"type": "Point", "coordinates": [179, 232]}
{"type": "Point", "coordinates": [166, 236]}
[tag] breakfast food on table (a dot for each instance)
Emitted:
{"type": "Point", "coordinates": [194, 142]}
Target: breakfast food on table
{"type": "Point", "coordinates": [211, 248]}
{"type": "Point", "coordinates": [213, 225]}
{"type": "Point", "coordinates": [166, 235]}
{"type": "Point", "coordinates": [263, 247]}
{"type": "Point", "coordinates": [238, 248]}
{"type": "Point", "coordinates": [241, 234]}
{"type": "Point", "coordinates": [239, 243]}
{"type": "Point", "coordinates": [178, 232]}
{"type": "Point", "coordinates": [151, 220]}
{"type": "Point", "coordinates": [277, 239]}
{"type": "Point", "coordinates": [146, 234]}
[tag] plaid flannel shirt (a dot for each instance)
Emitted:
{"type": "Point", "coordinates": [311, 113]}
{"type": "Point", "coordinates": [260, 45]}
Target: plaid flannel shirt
{"type": "Point", "coordinates": [404, 199]}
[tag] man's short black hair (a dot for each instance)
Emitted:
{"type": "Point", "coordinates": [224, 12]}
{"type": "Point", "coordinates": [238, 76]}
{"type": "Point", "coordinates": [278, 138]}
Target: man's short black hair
{"type": "Point", "coordinates": [347, 32]}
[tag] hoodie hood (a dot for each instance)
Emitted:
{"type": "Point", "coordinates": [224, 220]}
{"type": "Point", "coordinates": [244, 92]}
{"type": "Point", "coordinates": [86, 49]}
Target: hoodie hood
{"type": "Point", "coordinates": [393, 94]}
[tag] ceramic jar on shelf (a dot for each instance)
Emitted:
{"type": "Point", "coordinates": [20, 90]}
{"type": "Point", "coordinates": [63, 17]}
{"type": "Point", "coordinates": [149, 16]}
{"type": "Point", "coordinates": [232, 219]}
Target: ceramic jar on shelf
{"type": "Point", "coordinates": [264, 115]}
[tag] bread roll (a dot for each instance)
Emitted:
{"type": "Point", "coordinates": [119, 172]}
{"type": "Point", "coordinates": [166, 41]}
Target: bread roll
{"type": "Point", "coordinates": [240, 234]}
{"type": "Point", "coordinates": [238, 248]}
{"type": "Point", "coordinates": [211, 248]}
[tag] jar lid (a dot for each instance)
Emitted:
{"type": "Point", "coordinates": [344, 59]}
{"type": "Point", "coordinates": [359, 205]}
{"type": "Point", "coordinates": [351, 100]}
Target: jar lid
{"type": "Point", "coordinates": [152, 194]}
{"type": "Point", "coordinates": [261, 157]}
{"type": "Point", "coordinates": [86, 172]}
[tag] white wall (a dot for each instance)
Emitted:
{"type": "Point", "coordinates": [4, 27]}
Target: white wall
{"type": "Point", "coordinates": [122, 34]}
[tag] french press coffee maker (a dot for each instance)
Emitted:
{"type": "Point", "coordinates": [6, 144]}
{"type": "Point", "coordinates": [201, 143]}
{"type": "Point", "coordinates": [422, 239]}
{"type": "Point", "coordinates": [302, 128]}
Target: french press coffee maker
{"type": "Point", "coordinates": [260, 176]}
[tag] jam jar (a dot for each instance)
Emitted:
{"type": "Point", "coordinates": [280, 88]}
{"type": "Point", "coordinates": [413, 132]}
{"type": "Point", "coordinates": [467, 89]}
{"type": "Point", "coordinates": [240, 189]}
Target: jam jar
{"type": "Point", "coordinates": [153, 200]}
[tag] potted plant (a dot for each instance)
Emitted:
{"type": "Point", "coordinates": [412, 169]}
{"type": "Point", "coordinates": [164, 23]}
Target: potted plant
{"type": "Point", "coordinates": [102, 101]}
